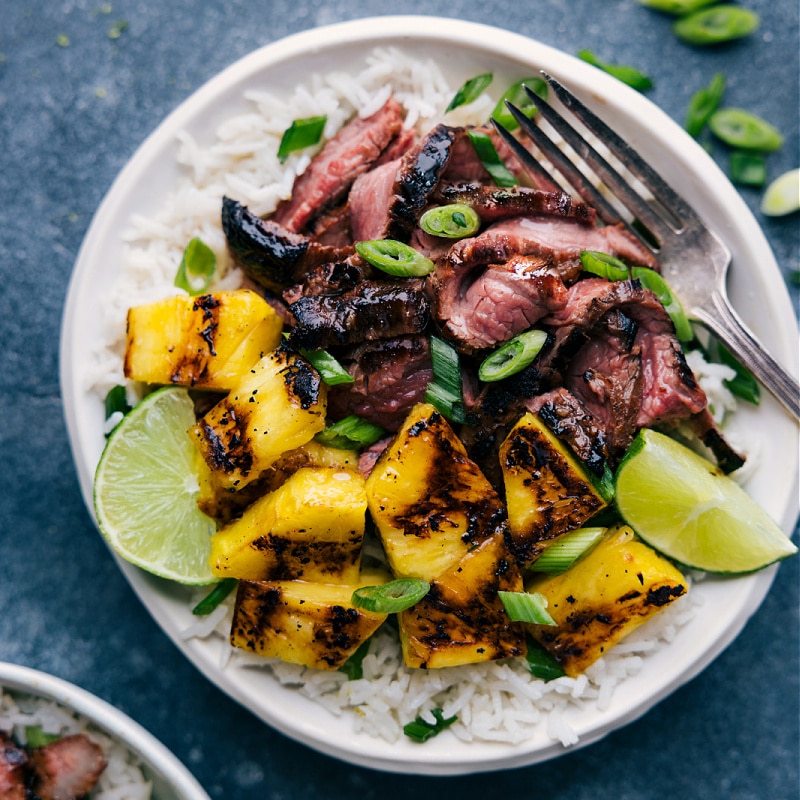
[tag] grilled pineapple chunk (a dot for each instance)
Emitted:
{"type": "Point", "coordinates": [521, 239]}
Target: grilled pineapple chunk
{"type": "Point", "coordinates": [206, 342]}
{"type": "Point", "coordinates": [548, 491]}
{"type": "Point", "coordinates": [310, 528]}
{"type": "Point", "coordinates": [278, 406]}
{"type": "Point", "coordinates": [462, 620]}
{"type": "Point", "coordinates": [314, 624]}
{"type": "Point", "coordinates": [606, 595]}
{"type": "Point", "coordinates": [430, 503]}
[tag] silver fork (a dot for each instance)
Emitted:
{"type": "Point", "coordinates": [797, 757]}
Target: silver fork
{"type": "Point", "coordinates": [676, 233]}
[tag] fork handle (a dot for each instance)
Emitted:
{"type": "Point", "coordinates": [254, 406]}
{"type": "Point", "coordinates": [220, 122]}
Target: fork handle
{"type": "Point", "coordinates": [720, 318]}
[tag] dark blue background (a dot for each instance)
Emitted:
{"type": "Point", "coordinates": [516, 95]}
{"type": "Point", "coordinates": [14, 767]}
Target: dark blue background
{"type": "Point", "coordinates": [70, 117]}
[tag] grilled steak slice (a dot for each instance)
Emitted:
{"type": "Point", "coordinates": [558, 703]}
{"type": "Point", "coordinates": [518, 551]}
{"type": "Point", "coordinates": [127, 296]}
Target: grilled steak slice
{"type": "Point", "coordinates": [371, 310]}
{"type": "Point", "coordinates": [390, 376]}
{"type": "Point", "coordinates": [706, 430]}
{"type": "Point", "coordinates": [270, 255]}
{"type": "Point", "coordinates": [479, 307]}
{"type": "Point", "coordinates": [464, 164]}
{"type": "Point", "coordinates": [331, 173]}
{"type": "Point", "coordinates": [68, 767]}
{"type": "Point", "coordinates": [493, 203]}
{"type": "Point", "coordinates": [13, 765]}
{"type": "Point", "coordinates": [386, 202]}
{"type": "Point", "coordinates": [336, 277]}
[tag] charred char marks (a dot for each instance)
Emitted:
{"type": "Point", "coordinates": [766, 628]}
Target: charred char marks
{"type": "Point", "coordinates": [208, 304]}
{"type": "Point", "coordinates": [302, 382]}
{"type": "Point", "coordinates": [230, 451]}
{"type": "Point", "coordinates": [663, 595]}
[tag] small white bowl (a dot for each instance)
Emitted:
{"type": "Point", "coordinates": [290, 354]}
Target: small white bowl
{"type": "Point", "coordinates": [463, 49]}
{"type": "Point", "coordinates": [170, 778]}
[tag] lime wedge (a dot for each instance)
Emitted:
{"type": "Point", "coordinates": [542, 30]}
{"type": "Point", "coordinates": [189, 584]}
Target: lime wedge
{"type": "Point", "coordinates": [684, 507]}
{"type": "Point", "coordinates": [782, 196]}
{"type": "Point", "coordinates": [146, 487]}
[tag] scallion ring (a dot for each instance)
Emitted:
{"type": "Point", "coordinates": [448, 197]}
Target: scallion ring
{"type": "Point", "coordinates": [739, 128]}
{"type": "Point", "coordinates": [350, 433]}
{"type": "Point", "coordinates": [470, 91]}
{"type": "Point", "coordinates": [658, 286]}
{"type": "Point", "coordinates": [512, 357]}
{"type": "Point", "coordinates": [526, 607]}
{"type": "Point", "coordinates": [300, 134]}
{"type": "Point", "coordinates": [453, 221]}
{"type": "Point", "coordinates": [604, 265]}
{"type": "Point", "coordinates": [559, 556]}
{"type": "Point", "coordinates": [330, 370]}
{"type": "Point", "coordinates": [722, 23]}
{"type": "Point", "coordinates": [492, 163]}
{"type": "Point", "coordinates": [392, 597]}
{"type": "Point", "coordinates": [517, 96]}
{"type": "Point", "coordinates": [196, 268]}
{"type": "Point", "coordinates": [394, 258]}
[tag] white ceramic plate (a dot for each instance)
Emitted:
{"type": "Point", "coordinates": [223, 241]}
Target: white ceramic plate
{"type": "Point", "coordinates": [465, 49]}
{"type": "Point", "coordinates": [170, 778]}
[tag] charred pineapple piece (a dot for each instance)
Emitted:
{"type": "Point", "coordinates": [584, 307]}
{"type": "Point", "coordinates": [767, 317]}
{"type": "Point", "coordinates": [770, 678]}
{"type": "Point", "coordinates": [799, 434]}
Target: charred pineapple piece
{"type": "Point", "coordinates": [606, 595]}
{"type": "Point", "coordinates": [279, 405]}
{"type": "Point", "coordinates": [224, 505]}
{"type": "Point", "coordinates": [548, 490]}
{"type": "Point", "coordinates": [310, 528]}
{"type": "Point", "coordinates": [314, 624]}
{"type": "Point", "coordinates": [430, 503]}
{"type": "Point", "coordinates": [462, 620]}
{"type": "Point", "coordinates": [205, 342]}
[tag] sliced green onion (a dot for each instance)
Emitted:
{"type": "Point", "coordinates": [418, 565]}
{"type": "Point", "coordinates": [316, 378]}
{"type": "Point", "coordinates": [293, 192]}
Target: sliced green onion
{"type": "Point", "coordinates": [353, 667]}
{"type": "Point", "coordinates": [652, 281]}
{"type": "Point", "coordinates": [454, 221]}
{"type": "Point", "coordinates": [678, 8]}
{"type": "Point", "coordinates": [512, 357]}
{"type": "Point", "coordinates": [300, 134]}
{"type": "Point", "coordinates": [350, 433]}
{"type": "Point", "coordinates": [782, 196]}
{"type": "Point", "coordinates": [116, 401]}
{"type": "Point", "coordinates": [420, 730]}
{"type": "Point", "coordinates": [541, 663]}
{"type": "Point", "coordinates": [703, 103]}
{"type": "Point", "coordinates": [739, 128]}
{"type": "Point", "coordinates": [196, 268]}
{"type": "Point", "coordinates": [604, 483]}
{"type": "Point", "coordinates": [743, 385]}
{"type": "Point", "coordinates": [716, 25]}
{"type": "Point", "coordinates": [516, 95]}
{"type": "Point", "coordinates": [215, 597]}
{"type": "Point", "coordinates": [604, 265]}
{"type": "Point", "coordinates": [470, 91]}
{"type": "Point", "coordinates": [629, 75]}
{"type": "Point", "coordinates": [394, 258]}
{"type": "Point", "coordinates": [526, 607]}
{"type": "Point", "coordinates": [748, 169]}
{"type": "Point", "coordinates": [445, 390]}
{"type": "Point", "coordinates": [392, 597]}
{"type": "Point", "coordinates": [566, 550]}
{"type": "Point", "coordinates": [330, 370]}
{"type": "Point", "coordinates": [36, 737]}
{"type": "Point", "coordinates": [492, 163]}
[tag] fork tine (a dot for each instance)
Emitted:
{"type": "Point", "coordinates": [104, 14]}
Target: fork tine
{"type": "Point", "coordinates": [661, 190]}
{"type": "Point", "coordinates": [619, 187]}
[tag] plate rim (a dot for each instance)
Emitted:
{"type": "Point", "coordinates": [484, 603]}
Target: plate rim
{"type": "Point", "coordinates": [379, 30]}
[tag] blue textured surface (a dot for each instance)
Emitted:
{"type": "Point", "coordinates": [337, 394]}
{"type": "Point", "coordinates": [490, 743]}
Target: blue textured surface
{"type": "Point", "coordinates": [70, 117]}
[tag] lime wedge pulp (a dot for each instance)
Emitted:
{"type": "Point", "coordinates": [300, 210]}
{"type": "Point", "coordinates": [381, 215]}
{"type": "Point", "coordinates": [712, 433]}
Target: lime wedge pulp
{"type": "Point", "coordinates": [145, 491]}
{"type": "Point", "coordinates": [684, 507]}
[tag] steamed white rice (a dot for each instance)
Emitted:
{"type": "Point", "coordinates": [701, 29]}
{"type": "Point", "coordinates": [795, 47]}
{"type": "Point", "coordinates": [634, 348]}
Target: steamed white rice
{"type": "Point", "coordinates": [122, 779]}
{"type": "Point", "coordinates": [493, 701]}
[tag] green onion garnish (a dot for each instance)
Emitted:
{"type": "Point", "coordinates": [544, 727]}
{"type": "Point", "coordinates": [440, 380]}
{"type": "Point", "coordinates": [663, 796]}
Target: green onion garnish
{"type": "Point", "coordinates": [739, 128]}
{"type": "Point", "coordinates": [353, 667]}
{"type": "Point", "coordinates": [744, 385]}
{"type": "Point", "coordinates": [392, 597]}
{"type": "Point", "coordinates": [678, 8]}
{"type": "Point", "coordinates": [215, 597]}
{"type": "Point", "coordinates": [703, 103]}
{"type": "Point", "coordinates": [421, 730]}
{"type": "Point", "coordinates": [330, 370]}
{"type": "Point", "coordinates": [629, 75]}
{"type": "Point", "coordinates": [350, 433]}
{"type": "Point", "coordinates": [492, 163]}
{"type": "Point", "coordinates": [300, 134]}
{"type": "Point", "coordinates": [394, 258]}
{"type": "Point", "coordinates": [445, 390]}
{"type": "Point", "coordinates": [36, 737]}
{"type": "Point", "coordinates": [512, 357]}
{"type": "Point", "coordinates": [748, 169]}
{"type": "Point", "coordinates": [116, 401]}
{"type": "Point", "coordinates": [470, 91]}
{"type": "Point", "coordinates": [454, 221]}
{"type": "Point", "coordinates": [526, 607]}
{"type": "Point", "coordinates": [604, 265]}
{"type": "Point", "coordinates": [517, 96]}
{"type": "Point", "coordinates": [566, 550]}
{"type": "Point", "coordinates": [716, 25]}
{"type": "Point", "coordinates": [658, 286]}
{"type": "Point", "coordinates": [604, 483]}
{"type": "Point", "coordinates": [541, 663]}
{"type": "Point", "coordinates": [196, 268]}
